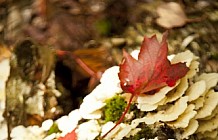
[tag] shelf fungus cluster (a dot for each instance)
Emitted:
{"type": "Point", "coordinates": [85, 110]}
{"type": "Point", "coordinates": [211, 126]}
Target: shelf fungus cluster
{"type": "Point", "coordinates": [187, 110]}
{"type": "Point", "coordinates": [189, 106]}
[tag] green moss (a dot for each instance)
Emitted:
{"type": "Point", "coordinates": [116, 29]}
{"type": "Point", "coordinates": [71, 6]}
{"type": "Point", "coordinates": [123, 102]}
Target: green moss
{"type": "Point", "coordinates": [114, 108]}
{"type": "Point", "coordinates": [53, 129]}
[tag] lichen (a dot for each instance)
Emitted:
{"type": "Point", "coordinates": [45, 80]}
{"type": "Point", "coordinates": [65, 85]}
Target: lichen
{"type": "Point", "coordinates": [114, 108]}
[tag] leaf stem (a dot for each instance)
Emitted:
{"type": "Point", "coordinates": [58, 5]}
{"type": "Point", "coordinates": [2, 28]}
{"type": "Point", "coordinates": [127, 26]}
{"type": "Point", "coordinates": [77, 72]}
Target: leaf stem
{"type": "Point", "coordinates": [81, 63]}
{"type": "Point", "coordinates": [121, 118]}
{"type": "Point", "coordinates": [84, 65]}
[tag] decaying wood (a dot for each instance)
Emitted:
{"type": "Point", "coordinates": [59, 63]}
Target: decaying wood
{"type": "Point", "coordinates": [31, 66]}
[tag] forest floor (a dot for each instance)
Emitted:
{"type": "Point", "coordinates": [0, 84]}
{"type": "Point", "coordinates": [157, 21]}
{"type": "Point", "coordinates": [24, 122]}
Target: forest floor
{"type": "Point", "coordinates": [94, 32]}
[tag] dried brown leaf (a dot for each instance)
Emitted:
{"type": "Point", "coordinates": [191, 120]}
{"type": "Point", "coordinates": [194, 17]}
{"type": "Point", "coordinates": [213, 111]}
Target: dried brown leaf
{"type": "Point", "coordinates": [171, 15]}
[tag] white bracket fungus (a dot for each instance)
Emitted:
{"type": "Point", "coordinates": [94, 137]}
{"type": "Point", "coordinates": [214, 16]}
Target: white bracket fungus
{"type": "Point", "coordinates": [208, 134]}
{"type": "Point", "coordinates": [211, 79]}
{"type": "Point", "coordinates": [208, 125]}
{"type": "Point", "coordinates": [209, 105]}
{"type": "Point", "coordinates": [193, 69]}
{"type": "Point", "coordinates": [186, 57]}
{"type": "Point", "coordinates": [196, 90]}
{"type": "Point", "coordinates": [184, 119]}
{"type": "Point", "coordinates": [88, 130]}
{"type": "Point", "coordinates": [150, 107]}
{"type": "Point", "coordinates": [173, 112]}
{"type": "Point", "coordinates": [106, 127]}
{"type": "Point", "coordinates": [157, 97]}
{"type": "Point", "coordinates": [191, 129]}
{"type": "Point", "coordinates": [179, 90]}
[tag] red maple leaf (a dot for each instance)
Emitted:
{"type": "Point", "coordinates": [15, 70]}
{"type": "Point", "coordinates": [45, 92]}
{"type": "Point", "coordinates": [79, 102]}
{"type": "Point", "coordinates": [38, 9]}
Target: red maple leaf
{"type": "Point", "coordinates": [69, 136]}
{"type": "Point", "coordinates": [150, 72]}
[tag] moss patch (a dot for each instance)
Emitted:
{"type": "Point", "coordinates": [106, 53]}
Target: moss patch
{"type": "Point", "coordinates": [114, 108]}
{"type": "Point", "coordinates": [53, 129]}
